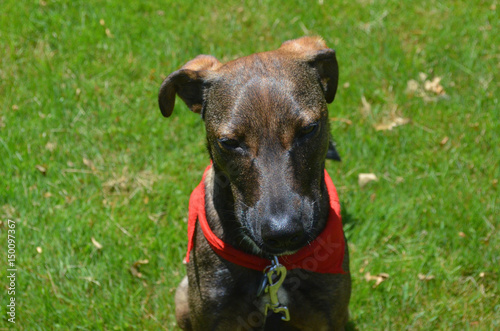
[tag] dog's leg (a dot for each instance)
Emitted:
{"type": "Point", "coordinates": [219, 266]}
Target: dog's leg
{"type": "Point", "coordinates": [182, 305]}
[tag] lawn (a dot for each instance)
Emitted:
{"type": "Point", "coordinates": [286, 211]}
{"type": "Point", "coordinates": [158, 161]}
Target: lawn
{"type": "Point", "coordinates": [97, 181]}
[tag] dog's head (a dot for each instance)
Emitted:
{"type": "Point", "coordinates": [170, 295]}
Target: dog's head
{"type": "Point", "coordinates": [267, 127]}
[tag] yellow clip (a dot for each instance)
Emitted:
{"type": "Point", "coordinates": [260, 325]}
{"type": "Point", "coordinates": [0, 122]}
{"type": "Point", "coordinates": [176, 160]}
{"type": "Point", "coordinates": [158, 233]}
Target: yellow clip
{"type": "Point", "coordinates": [278, 272]}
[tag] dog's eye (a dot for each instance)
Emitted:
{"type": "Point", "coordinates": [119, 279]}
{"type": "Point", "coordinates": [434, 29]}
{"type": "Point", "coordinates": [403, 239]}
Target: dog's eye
{"type": "Point", "coordinates": [308, 130]}
{"type": "Point", "coordinates": [228, 143]}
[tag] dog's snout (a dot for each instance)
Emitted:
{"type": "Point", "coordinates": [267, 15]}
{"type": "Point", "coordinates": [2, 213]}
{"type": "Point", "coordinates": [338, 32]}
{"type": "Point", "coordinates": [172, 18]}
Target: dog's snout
{"type": "Point", "coordinates": [281, 234]}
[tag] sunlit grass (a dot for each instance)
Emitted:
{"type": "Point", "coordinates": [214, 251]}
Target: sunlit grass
{"type": "Point", "coordinates": [78, 96]}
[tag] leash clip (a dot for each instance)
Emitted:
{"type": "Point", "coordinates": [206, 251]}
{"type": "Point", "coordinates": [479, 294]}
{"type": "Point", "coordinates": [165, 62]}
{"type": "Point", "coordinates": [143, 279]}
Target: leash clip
{"type": "Point", "coordinates": [274, 276]}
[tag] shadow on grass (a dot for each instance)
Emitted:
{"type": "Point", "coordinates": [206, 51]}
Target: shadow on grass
{"type": "Point", "coordinates": [351, 326]}
{"type": "Point", "coordinates": [348, 220]}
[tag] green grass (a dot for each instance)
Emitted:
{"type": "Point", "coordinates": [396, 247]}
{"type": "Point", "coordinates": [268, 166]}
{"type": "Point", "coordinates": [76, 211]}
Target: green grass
{"type": "Point", "coordinates": [81, 101]}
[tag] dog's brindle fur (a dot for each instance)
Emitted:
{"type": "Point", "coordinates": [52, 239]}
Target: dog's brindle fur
{"type": "Point", "coordinates": [267, 128]}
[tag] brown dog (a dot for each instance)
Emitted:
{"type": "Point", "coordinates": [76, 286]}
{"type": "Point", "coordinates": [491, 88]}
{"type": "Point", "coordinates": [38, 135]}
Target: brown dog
{"type": "Point", "coordinates": [266, 249]}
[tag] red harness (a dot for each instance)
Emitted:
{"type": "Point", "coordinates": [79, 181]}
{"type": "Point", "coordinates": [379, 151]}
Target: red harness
{"type": "Point", "coordinates": [324, 255]}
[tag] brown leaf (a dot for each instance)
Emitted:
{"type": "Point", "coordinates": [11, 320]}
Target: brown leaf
{"type": "Point", "coordinates": [364, 179]}
{"type": "Point", "coordinates": [428, 90]}
{"type": "Point", "coordinates": [139, 262]}
{"type": "Point", "coordinates": [50, 146]}
{"type": "Point", "coordinates": [434, 86]}
{"type": "Point", "coordinates": [378, 278]}
{"type": "Point", "coordinates": [365, 263]}
{"type": "Point", "coordinates": [367, 108]}
{"type": "Point", "coordinates": [397, 121]}
{"type": "Point", "coordinates": [343, 120]}
{"type": "Point", "coordinates": [135, 272]}
{"type": "Point", "coordinates": [69, 199]}
{"type": "Point", "coordinates": [42, 169]}
{"type": "Point", "coordinates": [108, 33]}
{"type": "Point", "coordinates": [444, 141]}
{"type": "Point", "coordinates": [134, 269]}
{"type": "Point", "coordinates": [96, 243]}
{"type": "Point", "coordinates": [412, 86]}
{"type": "Point", "coordinates": [425, 277]}
{"type": "Point", "coordinates": [89, 164]}
{"type": "Point", "coordinates": [7, 211]}
{"type": "Point", "coordinates": [461, 234]}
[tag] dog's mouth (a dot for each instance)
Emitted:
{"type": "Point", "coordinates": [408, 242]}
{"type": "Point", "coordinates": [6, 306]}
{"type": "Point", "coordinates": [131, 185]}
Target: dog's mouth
{"type": "Point", "coordinates": [289, 250]}
{"type": "Point", "coordinates": [273, 252]}
{"type": "Point", "coordinates": [260, 249]}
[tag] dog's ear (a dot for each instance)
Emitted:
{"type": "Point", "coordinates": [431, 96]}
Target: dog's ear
{"type": "Point", "coordinates": [325, 62]}
{"type": "Point", "coordinates": [315, 52]}
{"type": "Point", "coordinates": [188, 83]}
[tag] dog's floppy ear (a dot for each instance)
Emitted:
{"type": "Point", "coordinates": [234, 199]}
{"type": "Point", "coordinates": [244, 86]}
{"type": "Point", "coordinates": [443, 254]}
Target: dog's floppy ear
{"type": "Point", "coordinates": [314, 51]}
{"type": "Point", "coordinates": [187, 82]}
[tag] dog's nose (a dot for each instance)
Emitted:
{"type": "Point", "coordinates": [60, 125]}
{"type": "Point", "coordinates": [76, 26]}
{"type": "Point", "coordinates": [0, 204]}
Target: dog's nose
{"type": "Point", "coordinates": [281, 234]}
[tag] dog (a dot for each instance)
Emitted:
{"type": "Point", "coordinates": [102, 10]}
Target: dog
{"type": "Point", "coordinates": [266, 250]}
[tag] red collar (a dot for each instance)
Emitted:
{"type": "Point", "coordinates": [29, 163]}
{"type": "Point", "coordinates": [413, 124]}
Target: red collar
{"type": "Point", "coordinates": [324, 255]}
